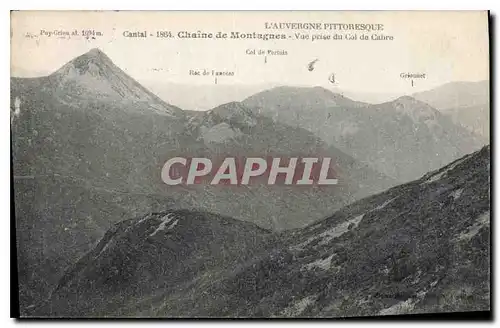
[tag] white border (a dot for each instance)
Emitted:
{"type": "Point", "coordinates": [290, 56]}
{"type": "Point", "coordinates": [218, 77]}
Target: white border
{"type": "Point", "coordinates": [197, 5]}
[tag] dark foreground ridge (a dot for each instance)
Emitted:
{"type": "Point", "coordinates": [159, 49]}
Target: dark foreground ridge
{"type": "Point", "coordinates": [417, 248]}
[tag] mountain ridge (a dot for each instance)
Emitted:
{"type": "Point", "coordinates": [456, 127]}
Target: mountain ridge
{"type": "Point", "coordinates": [403, 138]}
{"type": "Point", "coordinates": [102, 153]}
{"type": "Point", "coordinates": [377, 256]}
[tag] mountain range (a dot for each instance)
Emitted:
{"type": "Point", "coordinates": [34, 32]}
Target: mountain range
{"type": "Point", "coordinates": [89, 142]}
{"type": "Point", "coordinates": [421, 247]}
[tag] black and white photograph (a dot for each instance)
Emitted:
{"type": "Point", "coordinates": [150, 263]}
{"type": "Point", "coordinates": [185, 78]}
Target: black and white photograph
{"type": "Point", "coordinates": [250, 165]}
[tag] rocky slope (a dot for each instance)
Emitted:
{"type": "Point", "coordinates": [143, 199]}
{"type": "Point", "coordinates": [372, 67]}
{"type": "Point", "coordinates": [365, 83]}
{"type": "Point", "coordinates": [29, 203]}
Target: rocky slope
{"type": "Point", "coordinates": [419, 247]}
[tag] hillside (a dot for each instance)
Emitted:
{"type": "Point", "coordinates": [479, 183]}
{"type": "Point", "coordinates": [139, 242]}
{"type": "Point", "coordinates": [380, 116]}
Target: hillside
{"type": "Point", "coordinates": [417, 248]}
{"type": "Point", "coordinates": [81, 147]}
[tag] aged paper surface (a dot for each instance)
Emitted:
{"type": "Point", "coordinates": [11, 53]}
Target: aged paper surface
{"type": "Point", "coordinates": [251, 164]}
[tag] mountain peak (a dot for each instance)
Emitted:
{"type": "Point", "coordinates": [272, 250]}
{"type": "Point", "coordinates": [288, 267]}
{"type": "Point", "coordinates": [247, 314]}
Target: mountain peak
{"type": "Point", "coordinates": [94, 63]}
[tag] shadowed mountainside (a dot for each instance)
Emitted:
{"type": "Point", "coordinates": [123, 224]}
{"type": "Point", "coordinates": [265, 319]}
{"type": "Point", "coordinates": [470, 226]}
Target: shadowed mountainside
{"type": "Point", "coordinates": [419, 247]}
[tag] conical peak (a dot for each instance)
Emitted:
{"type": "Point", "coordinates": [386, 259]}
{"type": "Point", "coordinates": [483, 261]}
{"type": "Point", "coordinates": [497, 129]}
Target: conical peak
{"type": "Point", "coordinates": [94, 62]}
{"type": "Point", "coordinates": [95, 56]}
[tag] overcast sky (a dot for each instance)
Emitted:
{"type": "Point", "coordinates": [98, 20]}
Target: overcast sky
{"type": "Point", "coordinates": [446, 46]}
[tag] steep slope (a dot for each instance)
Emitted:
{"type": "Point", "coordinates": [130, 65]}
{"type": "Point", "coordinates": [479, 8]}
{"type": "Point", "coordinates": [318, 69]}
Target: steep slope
{"type": "Point", "coordinates": [402, 139]}
{"type": "Point", "coordinates": [466, 103]}
{"type": "Point", "coordinates": [142, 259]}
{"type": "Point", "coordinates": [419, 247]}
